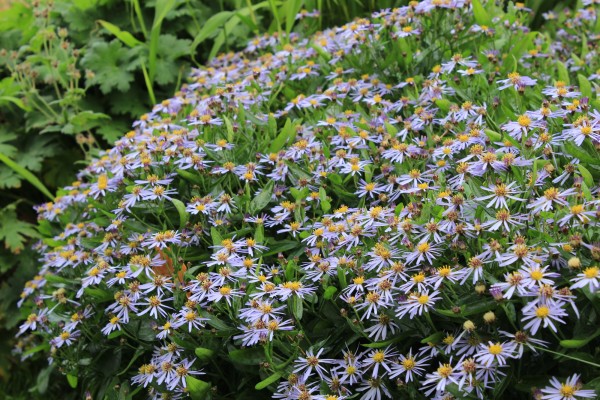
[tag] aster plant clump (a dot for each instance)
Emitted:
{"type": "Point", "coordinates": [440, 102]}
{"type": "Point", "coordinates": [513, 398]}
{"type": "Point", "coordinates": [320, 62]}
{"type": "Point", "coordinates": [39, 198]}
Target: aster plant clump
{"type": "Point", "coordinates": [402, 207]}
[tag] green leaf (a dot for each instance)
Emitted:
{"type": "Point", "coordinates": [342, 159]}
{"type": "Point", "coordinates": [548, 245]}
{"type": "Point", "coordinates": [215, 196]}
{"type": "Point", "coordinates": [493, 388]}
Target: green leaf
{"type": "Point", "coordinates": [379, 345]}
{"type": "Point", "coordinates": [286, 136]}
{"type": "Point", "coordinates": [494, 136]}
{"type": "Point", "coordinates": [433, 338]}
{"type": "Point", "coordinates": [259, 234]}
{"type": "Point", "coordinates": [37, 349]}
{"type": "Point", "coordinates": [249, 356]}
{"type": "Point", "coordinates": [170, 48]}
{"type": "Point", "coordinates": [587, 176]}
{"type": "Point", "coordinates": [480, 14]}
{"type": "Point", "coordinates": [216, 236]}
{"type": "Point", "coordinates": [290, 270]}
{"type": "Point", "coordinates": [28, 176]}
{"type": "Point", "coordinates": [9, 179]}
{"type": "Point", "coordinates": [36, 152]}
{"type": "Point", "coordinates": [84, 121]}
{"type": "Point", "coordinates": [204, 354]}
{"type": "Point", "coordinates": [212, 25]}
{"type": "Point", "coordinates": [112, 130]}
{"type": "Point", "coordinates": [232, 25]}
{"type": "Point", "coordinates": [190, 176]}
{"type": "Point", "coordinates": [98, 294]}
{"type": "Point", "coordinates": [443, 104]}
{"type": "Point", "coordinates": [72, 379]}
{"type": "Point", "coordinates": [198, 389]}
{"type": "Point", "coordinates": [43, 378]}
{"type": "Point", "coordinates": [115, 334]}
{"type": "Point", "coordinates": [329, 292]}
{"type": "Point", "coordinates": [123, 36]}
{"type": "Point", "coordinates": [299, 194]}
{"type": "Point", "coordinates": [230, 133]}
{"type": "Point", "coordinates": [297, 307]}
{"type": "Point", "coordinates": [268, 381]}
{"type": "Point", "coordinates": [291, 8]}
{"type": "Point", "coordinates": [264, 197]}
{"type": "Point", "coordinates": [585, 86]}
{"type": "Point", "coordinates": [335, 179]}
{"type": "Point", "coordinates": [18, 102]}
{"type": "Point", "coordinates": [112, 65]}
{"type": "Point", "coordinates": [7, 149]}
{"type": "Point", "coordinates": [563, 72]}
{"type": "Point", "coordinates": [581, 154]}
{"type": "Point", "coordinates": [517, 51]}
{"type": "Point", "coordinates": [183, 214]}
{"type": "Point", "coordinates": [325, 205]}
{"type": "Point", "coordinates": [577, 343]}
{"type": "Point", "coordinates": [161, 10]}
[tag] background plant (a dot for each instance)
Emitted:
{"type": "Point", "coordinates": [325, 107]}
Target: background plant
{"type": "Point", "coordinates": [73, 75]}
{"type": "Point", "coordinates": [283, 139]}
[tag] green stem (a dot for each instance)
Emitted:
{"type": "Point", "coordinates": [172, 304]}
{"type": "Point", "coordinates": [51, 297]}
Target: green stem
{"type": "Point", "coordinates": [138, 13]}
{"type": "Point", "coordinates": [277, 21]}
{"type": "Point", "coordinates": [567, 356]}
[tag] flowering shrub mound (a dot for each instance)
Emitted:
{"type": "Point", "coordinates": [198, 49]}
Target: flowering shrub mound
{"type": "Point", "coordinates": [402, 207]}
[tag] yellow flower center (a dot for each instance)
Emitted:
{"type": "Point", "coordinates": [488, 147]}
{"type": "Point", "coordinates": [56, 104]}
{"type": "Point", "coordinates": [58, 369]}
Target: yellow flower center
{"type": "Point", "coordinates": [379, 356]}
{"type": "Point", "coordinates": [536, 275]}
{"type": "Point", "coordinates": [445, 370]}
{"type": "Point", "coordinates": [225, 290]}
{"type": "Point", "coordinates": [409, 363]}
{"type": "Point", "coordinates": [495, 349]}
{"type": "Point", "coordinates": [591, 272]}
{"type": "Point", "coordinates": [102, 182]}
{"type": "Point", "coordinates": [542, 312]}
{"type": "Point", "coordinates": [423, 247]}
{"type": "Point", "coordinates": [577, 209]}
{"type": "Point", "coordinates": [567, 390]}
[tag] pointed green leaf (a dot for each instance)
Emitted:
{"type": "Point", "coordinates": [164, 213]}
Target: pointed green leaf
{"type": "Point", "coordinates": [481, 15]}
{"type": "Point", "coordinates": [123, 36]}
{"type": "Point", "coordinates": [268, 381]}
{"type": "Point", "coordinates": [198, 389]}
{"type": "Point", "coordinates": [264, 197]}
{"type": "Point", "coordinates": [183, 214]}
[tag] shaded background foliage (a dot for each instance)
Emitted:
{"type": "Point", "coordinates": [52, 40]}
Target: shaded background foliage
{"type": "Point", "coordinates": [74, 74]}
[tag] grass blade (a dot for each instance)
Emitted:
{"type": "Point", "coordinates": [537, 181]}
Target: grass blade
{"type": "Point", "coordinates": [124, 36]}
{"type": "Point", "coordinates": [28, 176]}
{"type": "Point", "coordinates": [160, 12]}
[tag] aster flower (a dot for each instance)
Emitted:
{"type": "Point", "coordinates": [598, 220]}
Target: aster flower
{"type": "Point", "coordinates": [423, 251]}
{"type": "Point", "coordinates": [522, 339]}
{"type": "Point", "coordinates": [517, 81]}
{"type": "Point", "coordinates": [312, 362]}
{"type": "Point", "coordinates": [552, 196]}
{"type": "Point", "coordinates": [590, 277]}
{"type": "Point", "coordinates": [544, 315]}
{"type": "Point", "coordinates": [495, 353]}
{"type": "Point", "coordinates": [155, 305]}
{"type": "Point", "coordinates": [570, 389]}
{"type": "Point", "coordinates": [382, 324]}
{"type": "Point", "coordinates": [501, 193]}
{"type": "Point", "coordinates": [409, 367]}
{"type": "Point", "coordinates": [438, 380]}
{"type": "Point", "coordinates": [417, 303]}
{"type": "Point", "coordinates": [65, 338]}
{"type": "Point", "coordinates": [378, 359]}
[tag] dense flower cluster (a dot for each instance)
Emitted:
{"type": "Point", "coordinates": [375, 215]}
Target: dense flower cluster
{"type": "Point", "coordinates": [402, 206]}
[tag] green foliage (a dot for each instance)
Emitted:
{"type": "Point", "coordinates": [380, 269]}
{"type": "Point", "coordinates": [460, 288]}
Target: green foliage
{"type": "Point", "coordinates": [75, 73]}
{"type": "Point", "coordinates": [420, 220]}
{"type": "Point", "coordinates": [111, 65]}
